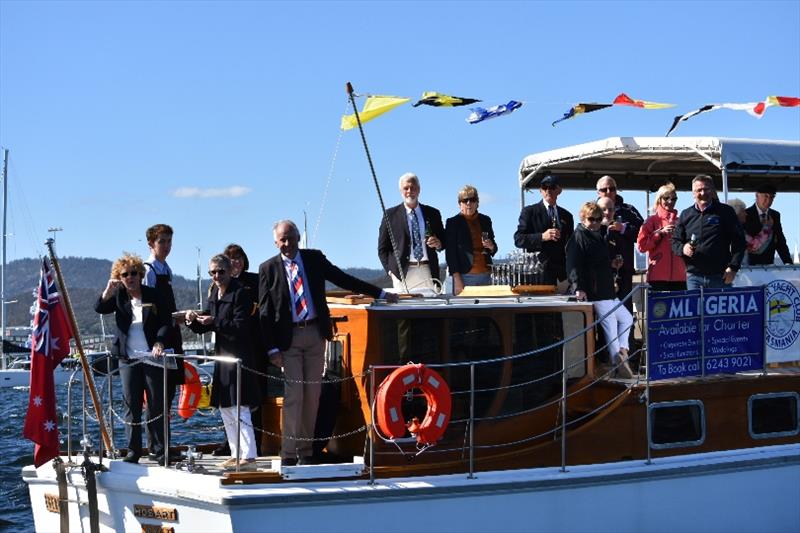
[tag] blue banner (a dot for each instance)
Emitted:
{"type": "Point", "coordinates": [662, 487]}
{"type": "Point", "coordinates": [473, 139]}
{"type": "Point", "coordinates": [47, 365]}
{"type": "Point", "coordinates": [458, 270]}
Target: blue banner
{"type": "Point", "coordinates": [732, 324]}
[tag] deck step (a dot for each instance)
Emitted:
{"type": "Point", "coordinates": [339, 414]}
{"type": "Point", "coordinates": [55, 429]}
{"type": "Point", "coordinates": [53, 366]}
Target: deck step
{"type": "Point", "coordinates": [338, 470]}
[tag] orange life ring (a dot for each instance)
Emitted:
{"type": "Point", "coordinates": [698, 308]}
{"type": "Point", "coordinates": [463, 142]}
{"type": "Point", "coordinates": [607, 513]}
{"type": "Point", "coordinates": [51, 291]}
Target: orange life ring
{"type": "Point", "coordinates": [190, 391]}
{"type": "Point", "coordinates": [390, 395]}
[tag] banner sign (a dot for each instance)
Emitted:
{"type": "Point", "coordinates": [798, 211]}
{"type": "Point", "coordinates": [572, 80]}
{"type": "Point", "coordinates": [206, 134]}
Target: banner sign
{"type": "Point", "coordinates": [782, 326]}
{"type": "Point", "coordinates": [723, 333]}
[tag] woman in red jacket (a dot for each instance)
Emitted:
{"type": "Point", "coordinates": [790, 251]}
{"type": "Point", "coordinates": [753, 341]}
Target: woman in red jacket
{"type": "Point", "coordinates": [665, 271]}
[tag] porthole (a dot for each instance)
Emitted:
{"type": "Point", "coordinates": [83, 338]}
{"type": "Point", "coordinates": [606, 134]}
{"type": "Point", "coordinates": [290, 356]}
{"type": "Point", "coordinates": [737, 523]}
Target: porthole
{"type": "Point", "coordinates": [677, 424]}
{"type": "Point", "coordinates": [773, 414]}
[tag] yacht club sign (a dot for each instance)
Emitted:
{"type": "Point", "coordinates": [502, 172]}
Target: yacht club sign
{"type": "Point", "coordinates": [782, 324]}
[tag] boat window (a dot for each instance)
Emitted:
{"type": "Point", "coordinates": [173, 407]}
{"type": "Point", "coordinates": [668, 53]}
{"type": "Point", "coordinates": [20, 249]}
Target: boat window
{"type": "Point", "coordinates": [677, 424]}
{"type": "Point", "coordinates": [773, 415]}
{"type": "Point", "coordinates": [433, 340]}
{"type": "Point", "coordinates": [538, 375]}
{"type": "Point", "coordinates": [334, 350]}
{"type": "Point", "coordinates": [412, 340]}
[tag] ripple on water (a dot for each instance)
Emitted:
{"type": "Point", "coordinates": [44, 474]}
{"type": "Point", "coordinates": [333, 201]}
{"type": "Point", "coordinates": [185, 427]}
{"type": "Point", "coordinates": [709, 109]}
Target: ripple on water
{"type": "Point", "coordinates": [17, 452]}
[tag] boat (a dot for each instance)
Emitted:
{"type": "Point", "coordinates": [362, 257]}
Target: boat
{"type": "Point", "coordinates": [537, 433]}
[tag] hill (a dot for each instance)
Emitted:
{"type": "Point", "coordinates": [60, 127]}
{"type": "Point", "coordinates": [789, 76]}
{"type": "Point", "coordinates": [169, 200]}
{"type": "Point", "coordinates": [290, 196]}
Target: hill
{"type": "Point", "coordinates": [87, 276]}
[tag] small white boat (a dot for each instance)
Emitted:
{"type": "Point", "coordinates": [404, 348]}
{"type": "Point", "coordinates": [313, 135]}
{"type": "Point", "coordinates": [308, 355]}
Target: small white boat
{"type": "Point", "coordinates": [18, 371]}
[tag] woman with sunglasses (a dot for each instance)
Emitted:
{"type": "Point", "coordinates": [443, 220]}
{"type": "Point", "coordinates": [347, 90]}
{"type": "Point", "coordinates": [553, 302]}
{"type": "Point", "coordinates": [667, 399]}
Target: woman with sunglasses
{"type": "Point", "coordinates": [228, 315]}
{"type": "Point", "coordinates": [470, 243]}
{"type": "Point", "coordinates": [143, 327]}
{"type": "Point", "coordinates": [665, 271]}
{"type": "Point", "coordinates": [590, 272]}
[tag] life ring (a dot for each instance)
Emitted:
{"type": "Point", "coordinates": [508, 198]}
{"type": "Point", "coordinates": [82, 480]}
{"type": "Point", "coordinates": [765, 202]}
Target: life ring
{"type": "Point", "coordinates": [437, 394]}
{"type": "Point", "coordinates": [190, 391]}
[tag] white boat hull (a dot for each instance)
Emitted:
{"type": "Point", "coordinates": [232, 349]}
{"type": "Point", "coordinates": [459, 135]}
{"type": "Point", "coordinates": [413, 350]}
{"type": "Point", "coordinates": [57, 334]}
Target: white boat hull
{"type": "Point", "coordinates": [740, 490]}
{"type": "Point", "coordinates": [15, 377]}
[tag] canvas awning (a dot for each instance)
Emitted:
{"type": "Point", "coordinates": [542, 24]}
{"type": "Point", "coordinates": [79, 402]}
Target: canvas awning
{"type": "Point", "coordinates": [646, 163]}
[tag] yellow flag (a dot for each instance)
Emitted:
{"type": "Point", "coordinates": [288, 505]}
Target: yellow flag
{"type": "Point", "coordinates": [373, 107]}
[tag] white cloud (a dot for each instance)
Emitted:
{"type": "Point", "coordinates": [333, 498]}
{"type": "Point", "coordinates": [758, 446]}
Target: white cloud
{"type": "Point", "coordinates": [228, 192]}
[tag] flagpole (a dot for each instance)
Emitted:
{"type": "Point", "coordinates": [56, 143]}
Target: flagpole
{"type": "Point", "coordinates": [87, 373]}
{"type": "Point", "coordinates": [377, 187]}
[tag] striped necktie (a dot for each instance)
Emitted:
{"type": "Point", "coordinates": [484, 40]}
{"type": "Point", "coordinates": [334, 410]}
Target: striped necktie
{"type": "Point", "coordinates": [300, 306]}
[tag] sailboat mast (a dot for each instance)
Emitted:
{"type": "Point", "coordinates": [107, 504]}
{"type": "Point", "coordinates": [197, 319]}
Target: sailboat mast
{"type": "Point", "coordinates": [3, 272]}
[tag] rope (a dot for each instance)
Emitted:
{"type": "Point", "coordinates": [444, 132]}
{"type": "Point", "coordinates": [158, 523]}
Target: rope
{"type": "Point", "coordinates": [330, 176]}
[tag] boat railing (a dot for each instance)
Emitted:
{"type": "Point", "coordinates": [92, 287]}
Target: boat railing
{"type": "Point", "coordinates": [370, 373]}
{"type": "Point", "coordinates": [557, 431]}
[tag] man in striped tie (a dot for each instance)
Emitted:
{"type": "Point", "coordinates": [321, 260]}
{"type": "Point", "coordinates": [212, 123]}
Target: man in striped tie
{"type": "Point", "coordinates": [762, 220]}
{"type": "Point", "coordinates": [295, 322]}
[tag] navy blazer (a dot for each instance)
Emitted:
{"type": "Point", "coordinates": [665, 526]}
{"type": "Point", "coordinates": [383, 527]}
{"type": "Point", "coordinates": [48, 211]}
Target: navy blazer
{"type": "Point", "coordinates": [533, 221]}
{"type": "Point", "coordinates": [274, 298]}
{"type": "Point", "coordinates": [459, 251]}
{"type": "Point", "coordinates": [752, 226]}
{"type": "Point", "coordinates": [156, 321]}
{"type": "Point", "coordinates": [232, 326]}
{"type": "Point", "coordinates": [399, 224]}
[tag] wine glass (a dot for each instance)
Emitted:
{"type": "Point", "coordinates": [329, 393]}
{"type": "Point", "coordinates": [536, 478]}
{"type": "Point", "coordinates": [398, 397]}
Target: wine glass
{"type": "Point", "coordinates": [485, 237]}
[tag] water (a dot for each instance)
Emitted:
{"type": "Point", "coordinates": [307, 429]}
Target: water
{"type": "Point", "coordinates": [17, 452]}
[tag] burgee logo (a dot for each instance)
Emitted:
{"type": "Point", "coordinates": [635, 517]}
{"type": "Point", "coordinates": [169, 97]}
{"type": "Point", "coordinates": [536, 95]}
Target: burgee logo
{"type": "Point", "coordinates": [783, 314]}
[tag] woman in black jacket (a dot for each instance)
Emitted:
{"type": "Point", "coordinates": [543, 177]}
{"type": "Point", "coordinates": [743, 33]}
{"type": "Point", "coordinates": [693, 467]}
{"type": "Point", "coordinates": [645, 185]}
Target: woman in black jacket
{"type": "Point", "coordinates": [470, 243]}
{"type": "Point", "coordinates": [228, 314]}
{"type": "Point", "coordinates": [268, 387]}
{"type": "Point", "coordinates": [143, 327]}
{"type": "Point", "coordinates": [590, 271]}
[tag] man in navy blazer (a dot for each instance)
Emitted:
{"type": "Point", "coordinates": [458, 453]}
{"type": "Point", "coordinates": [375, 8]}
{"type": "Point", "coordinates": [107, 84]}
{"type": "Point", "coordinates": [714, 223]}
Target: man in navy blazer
{"type": "Point", "coordinates": [418, 233]}
{"type": "Point", "coordinates": [760, 217]}
{"type": "Point", "coordinates": [545, 227]}
{"type": "Point", "coordinates": [295, 322]}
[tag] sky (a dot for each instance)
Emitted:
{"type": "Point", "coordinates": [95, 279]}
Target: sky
{"type": "Point", "coordinates": [220, 118]}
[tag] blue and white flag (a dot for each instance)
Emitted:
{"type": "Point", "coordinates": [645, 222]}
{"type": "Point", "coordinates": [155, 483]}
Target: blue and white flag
{"type": "Point", "coordinates": [480, 114]}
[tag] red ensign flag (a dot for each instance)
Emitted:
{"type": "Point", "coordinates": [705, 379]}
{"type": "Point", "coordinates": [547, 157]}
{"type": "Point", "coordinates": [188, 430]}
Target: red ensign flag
{"type": "Point", "coordinates": [49, 345]}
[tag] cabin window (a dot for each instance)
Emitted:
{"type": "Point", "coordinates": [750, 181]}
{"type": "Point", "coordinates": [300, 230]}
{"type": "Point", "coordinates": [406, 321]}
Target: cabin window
{"type": "Point", "coordinates": [437, 340]}
{"type": "Point", "coordinates": [773, 415]}
{"type": "Point", "coordinates": [334, 351]}
{"type": "Point", "coordinates": [537, 377]}
{"type": "Point", "coordinates": [677, 424]}
{"type": "Point", "coordinates": [412, 340]}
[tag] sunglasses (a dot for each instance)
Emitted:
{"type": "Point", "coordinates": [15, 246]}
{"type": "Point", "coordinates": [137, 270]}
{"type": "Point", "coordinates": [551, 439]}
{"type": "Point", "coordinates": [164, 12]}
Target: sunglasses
{"type": "Point", "coordinates": [549, 187]}
{"type": "Point", "coordinates": [605, 190]}
{"type": "Point", "coordinates": [594, 219]}
{"type": "Point", "coordinates": [670, 199]}
{"type": "Point", "coordinates": [218, 272]}
{"type": "Point", "coordinates": [471, 199]}
{"type": "Point", "coordinates": [132, 274]}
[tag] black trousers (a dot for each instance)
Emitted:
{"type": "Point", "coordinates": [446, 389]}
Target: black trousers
{"type": "Point", "coordinates": [136, 379]}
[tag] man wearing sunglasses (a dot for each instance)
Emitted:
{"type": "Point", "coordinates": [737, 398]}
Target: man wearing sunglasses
{"type": "Point", "coordinates": [545, 227]}
{"type": "Point", "coordinates": [625, 230]}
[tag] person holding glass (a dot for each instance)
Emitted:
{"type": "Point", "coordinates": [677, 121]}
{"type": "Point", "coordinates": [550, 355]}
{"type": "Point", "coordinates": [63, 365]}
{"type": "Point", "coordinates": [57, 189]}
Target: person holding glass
{"type": "Point", "coordinates": [144, 326]}
{"type": "Point", "coordinates": [665, 271]}
{"type": "Point", "coordinates": [228, 314]}
{"type": "Point", "coordinates": [471, 243]}
{"type": "Point", "coordinates": [590, 273]}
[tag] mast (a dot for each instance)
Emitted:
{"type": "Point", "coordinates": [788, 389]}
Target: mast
{"type": "Point", "coordinates": [3, 272]}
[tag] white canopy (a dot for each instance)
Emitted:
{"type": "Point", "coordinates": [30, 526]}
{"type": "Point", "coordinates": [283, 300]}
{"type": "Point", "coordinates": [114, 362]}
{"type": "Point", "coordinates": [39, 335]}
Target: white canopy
{"type": "Point", "coordinates": [646, 163]}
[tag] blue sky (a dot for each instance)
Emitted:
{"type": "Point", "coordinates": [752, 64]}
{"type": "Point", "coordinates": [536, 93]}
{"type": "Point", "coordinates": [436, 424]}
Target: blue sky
{"type": "Point", "coordinates": [221, 117]}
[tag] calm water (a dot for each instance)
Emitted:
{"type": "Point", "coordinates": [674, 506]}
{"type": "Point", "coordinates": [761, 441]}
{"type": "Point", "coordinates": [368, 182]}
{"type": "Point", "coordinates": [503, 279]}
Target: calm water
{"type": "Point", "coordinates": [17, 452]}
